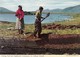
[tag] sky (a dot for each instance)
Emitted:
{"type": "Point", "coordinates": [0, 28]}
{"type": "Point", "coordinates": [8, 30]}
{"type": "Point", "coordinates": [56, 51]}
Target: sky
{"type": "Point", "coordinates": [32, 5]}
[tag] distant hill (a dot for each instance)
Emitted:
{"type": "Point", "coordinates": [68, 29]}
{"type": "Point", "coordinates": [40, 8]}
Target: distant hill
{"type": "Point", "coordinates": [54, 10]}
{"type": "Point", "coordinates": [4, 10]}
{"type": "Point", "coordinates": [74, 9]}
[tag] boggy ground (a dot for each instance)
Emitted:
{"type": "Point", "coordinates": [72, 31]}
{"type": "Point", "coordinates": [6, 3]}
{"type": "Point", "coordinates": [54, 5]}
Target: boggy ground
{"type": "Point", "coordinates": [47, 44]}
{"type": "Point", "coordinates": [52, 41]}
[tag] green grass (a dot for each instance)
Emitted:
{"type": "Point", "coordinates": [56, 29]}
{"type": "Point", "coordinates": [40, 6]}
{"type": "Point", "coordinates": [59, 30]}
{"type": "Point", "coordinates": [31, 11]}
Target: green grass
{"type": "Point", "coordinates": [30, 27]}
{"type": "Point", "coordinates": [66, 31]}
{"type": "Point", "coordinates": [73, 21]}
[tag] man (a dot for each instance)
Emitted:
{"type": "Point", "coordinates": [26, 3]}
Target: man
{"type": "Point", "coordinates": [20, 20]}
{"type": "Point", "coordinates": [38, 28]}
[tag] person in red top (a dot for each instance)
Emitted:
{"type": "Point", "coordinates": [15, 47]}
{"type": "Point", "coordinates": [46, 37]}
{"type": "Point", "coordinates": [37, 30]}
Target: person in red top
{"type": "Point", "coordinates": [20, 19]}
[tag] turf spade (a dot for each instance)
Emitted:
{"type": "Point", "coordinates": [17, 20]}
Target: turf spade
{"type": "Point", "coordinates": [45, 17]}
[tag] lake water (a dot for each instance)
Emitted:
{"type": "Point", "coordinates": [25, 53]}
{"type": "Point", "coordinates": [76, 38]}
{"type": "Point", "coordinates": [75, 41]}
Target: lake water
{"type": "Point", "coordinates": [30, 19]}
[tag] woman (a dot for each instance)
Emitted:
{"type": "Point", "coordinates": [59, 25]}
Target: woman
{"type": "Point", "coordinates": [20, 20]}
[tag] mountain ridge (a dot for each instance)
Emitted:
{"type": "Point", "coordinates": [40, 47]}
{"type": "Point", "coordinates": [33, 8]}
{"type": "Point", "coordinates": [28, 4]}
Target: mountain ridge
{"type": "Point", "coordinates": [75, 9]}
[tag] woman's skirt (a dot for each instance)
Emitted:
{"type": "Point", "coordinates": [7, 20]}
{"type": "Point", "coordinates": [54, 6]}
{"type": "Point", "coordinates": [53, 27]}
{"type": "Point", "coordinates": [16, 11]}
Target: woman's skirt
{"type": "Point", "coordinates": [19, 24]}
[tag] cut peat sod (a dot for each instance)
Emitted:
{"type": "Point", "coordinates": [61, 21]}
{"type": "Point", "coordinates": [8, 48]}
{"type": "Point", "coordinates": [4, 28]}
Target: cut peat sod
{"type": "Point", "coordinates": [47, 44]}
